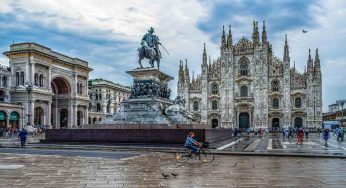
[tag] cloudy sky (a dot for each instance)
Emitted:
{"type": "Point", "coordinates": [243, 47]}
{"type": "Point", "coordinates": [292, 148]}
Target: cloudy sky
{"type": "Point", "coordinates": [106, 33]}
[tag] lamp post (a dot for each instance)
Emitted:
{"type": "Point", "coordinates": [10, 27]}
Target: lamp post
{"type": "Point", "coordinates": [29, 87]}
{"type": "Point", "coordinates": [341, 103]}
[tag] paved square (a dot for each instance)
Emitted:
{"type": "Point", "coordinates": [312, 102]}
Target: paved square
{"type": "Point", "coordinates": [23, 170]}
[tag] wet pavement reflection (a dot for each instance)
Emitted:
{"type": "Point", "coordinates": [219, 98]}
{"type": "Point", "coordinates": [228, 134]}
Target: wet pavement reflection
{"type": "Point", "coordinates": [146, 171]}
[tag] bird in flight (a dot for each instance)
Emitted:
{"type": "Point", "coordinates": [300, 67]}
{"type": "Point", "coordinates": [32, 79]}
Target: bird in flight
{"type": "Point", "coordinates": [304, 31]}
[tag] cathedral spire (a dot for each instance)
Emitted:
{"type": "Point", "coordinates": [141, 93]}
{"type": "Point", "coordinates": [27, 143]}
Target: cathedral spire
{"type": "Point", "coordinates": [229, 38]}
{"type": "Point", "coordinates": [181, 72]}
{"type": "Point", "coordinates": [317, 61]}
{"type": "Point", "coordinates": [264, 34]}
{"type": "Point", "coordinates": [310, 62]}
{"type": "Point", "coordinates": [255, 34]}
{"type": "Point", "coordinates": [223, 38]}
{"type": "Point", "coordinates": [286, 50]}
{"type": "Point", "coordinates": [193, 76]}
{"type": "Point", "coordinates": [204, 56]}
{"type": "Point", "coordinates": [187, 74]}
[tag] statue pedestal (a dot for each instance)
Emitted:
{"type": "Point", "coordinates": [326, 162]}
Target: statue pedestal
{"type": "Point", "coordinates": [148, 100]}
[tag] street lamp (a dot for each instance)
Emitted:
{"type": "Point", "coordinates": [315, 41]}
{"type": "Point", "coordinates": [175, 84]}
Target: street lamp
{"type": "Point", "coordinates": [341, 103]}
{"type": "Point", "coordinates": [29, 87]}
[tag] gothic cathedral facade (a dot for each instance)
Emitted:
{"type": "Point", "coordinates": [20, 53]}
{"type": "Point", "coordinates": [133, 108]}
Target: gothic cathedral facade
{"type": "Point", "coordinates": [247, 86]}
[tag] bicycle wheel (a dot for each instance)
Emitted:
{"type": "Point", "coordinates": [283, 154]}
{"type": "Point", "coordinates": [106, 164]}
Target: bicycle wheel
{"type": "Point", "coordinates": [206, 156]}
{"type": "Point", "coordinates": [182, 156]}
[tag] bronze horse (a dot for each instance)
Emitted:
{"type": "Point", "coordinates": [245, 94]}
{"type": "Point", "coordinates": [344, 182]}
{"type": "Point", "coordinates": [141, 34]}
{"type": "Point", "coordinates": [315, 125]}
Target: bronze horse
{"type": "Point", "coordinates": [151, 53]}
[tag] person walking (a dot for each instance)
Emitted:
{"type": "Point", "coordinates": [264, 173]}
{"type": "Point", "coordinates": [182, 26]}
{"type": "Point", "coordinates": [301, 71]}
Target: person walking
{"type": "Point", "coordinates": [300, 135]}
{"type": "Point", "coordinates": [340, 135]}
{"type": "Point", "coordinates": [22, 136]}
{"type": "Point", "coordinates": [307, 132]}
{"type": "Point", "coordinates": [326, 136]}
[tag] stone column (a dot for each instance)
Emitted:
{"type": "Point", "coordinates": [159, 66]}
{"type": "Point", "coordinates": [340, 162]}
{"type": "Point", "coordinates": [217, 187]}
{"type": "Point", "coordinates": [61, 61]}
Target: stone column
{"type": "Point", "coordinates": [70, 114]}
{"type": "Point", "coordinates": [75, 84]}
{"type": "Point", "coordinates": [86, 116]}
{"type": "Point", "coordinates": [75, 117]}
{"type": "Point", "coordinates": [32, 111]}
{"type": "Point", "coordinates": [32, 72]}
{"type": "Point", "coordinates": [49, 114]}
{"type": "Point", "coordinates": [49, 78]}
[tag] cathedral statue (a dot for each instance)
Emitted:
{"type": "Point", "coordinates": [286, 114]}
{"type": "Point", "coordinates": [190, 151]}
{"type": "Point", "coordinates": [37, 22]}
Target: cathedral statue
{"type": "Point", "coordinates": [149, 49]}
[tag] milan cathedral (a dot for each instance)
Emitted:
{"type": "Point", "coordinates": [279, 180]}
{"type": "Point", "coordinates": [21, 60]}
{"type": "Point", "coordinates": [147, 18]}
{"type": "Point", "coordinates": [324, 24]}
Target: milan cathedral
{"type": "Point", "coordinates": [248, 86]}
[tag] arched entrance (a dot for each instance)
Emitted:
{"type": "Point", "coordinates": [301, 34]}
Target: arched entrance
{"type": "Point", "coordinates": [38, 116]}
{"type": "Point", "coordinates": [14, 120]}
{"type": "Point", "coordinates": [94, 120]}
{"type": "Point", "coordinates": [214, 123]}
{"type": "Point", "coordinates": [3, 119]}
{"type": "Point", "coordinates": [275, 123]}
{"type": "Point", "coordinates": [63, 118]}
{"type": "Point", "coordinates": [298, 122]}
{"type": "Point", "coordinates": [79, 118]}
{"type": "Point", "coordinates": [244, 120]}
{"type": "Point", "coordinates": [60, 102]}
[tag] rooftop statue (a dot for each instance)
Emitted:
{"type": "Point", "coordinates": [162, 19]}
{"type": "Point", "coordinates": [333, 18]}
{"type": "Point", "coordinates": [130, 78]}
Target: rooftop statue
{"type": "Point", "coordinates": [149, 49]}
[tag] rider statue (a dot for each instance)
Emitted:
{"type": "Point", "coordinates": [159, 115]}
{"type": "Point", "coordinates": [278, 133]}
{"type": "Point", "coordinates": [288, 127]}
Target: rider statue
{"type": "Point", "coordinates": [150, 48]}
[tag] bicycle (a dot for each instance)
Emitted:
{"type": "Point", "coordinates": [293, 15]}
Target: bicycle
{"type": "Point", "coordinates": [203, 154]}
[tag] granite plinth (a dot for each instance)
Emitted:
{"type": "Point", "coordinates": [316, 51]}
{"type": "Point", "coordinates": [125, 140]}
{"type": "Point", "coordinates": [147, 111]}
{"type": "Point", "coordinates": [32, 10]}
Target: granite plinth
{"type": "Point", "coordinates": [149, 74]}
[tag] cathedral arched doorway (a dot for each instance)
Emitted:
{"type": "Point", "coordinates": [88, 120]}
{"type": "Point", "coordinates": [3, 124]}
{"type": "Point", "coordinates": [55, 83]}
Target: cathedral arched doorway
{"type": "Point", "coordinates": [63, 118]}
{"type": "Point", "coordinates": [275, 123]}
{"type": "Point", "coordinates": [244, 120]}
{"type": "Point", "coordinates": [214, 123]}
{"type": "Point", "coordinates": [60, 102]}
{"type": "Point", "coordinates": [38, 116]}
{"type": "Point", "coordinates": [298, 122]}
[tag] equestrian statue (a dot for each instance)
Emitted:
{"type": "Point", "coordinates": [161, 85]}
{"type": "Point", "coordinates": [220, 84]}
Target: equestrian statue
{"type": "Point", "coordinates": [149, 49]}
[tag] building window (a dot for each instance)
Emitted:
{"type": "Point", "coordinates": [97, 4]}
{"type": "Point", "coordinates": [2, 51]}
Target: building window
{"type": "Point", "coordinates": [22, 78]}
{"type": "Point", "coordinates": [2, 96]}
{"type": "Point", "coordinates": [36, 79]}
{"type": "Point", "coordinates": [244, 67]}
{"type": "Point", "coordinates": [98, 107]}
{"type": "Point", "coordinates": [275, 85]}
{"type": "Point", "coordinates": [4, 81]}
{"type": "Point", "coordinates": [41, 80]}
{"type": "Point", "coordinates": [214, 105]}
{"type": "Point", "coordinates": [275, 103]}
{"type": "Point", "coordinates": [214, 89]}
{"type": "Point", "coordinates": [298, 102]}
{"type": "Point", "coordinates": [17, 78]}
{"type": "Point", "coordinates": [77, 87]}
{"type": "Point", "coordinates": [195, 105]}
{"type": "Point", "coordinates": [243, 91]}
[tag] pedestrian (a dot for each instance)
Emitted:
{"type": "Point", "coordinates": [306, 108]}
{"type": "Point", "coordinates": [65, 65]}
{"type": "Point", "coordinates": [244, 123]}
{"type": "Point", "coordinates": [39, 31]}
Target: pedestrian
{"type": "Point", "coordinates": [283, 133]}
{"type": "Point", "coordinates": [22, 136]}
{"type": "Point", "coordinates": [319, 132]}
{"type": "Point", "coordinates": [340, 135]}
{"type": "Point", "coordinates": [300, 135]}
{"type": "Point", "coordinates": [326, 136]}
{"type": "Point", "coordinates": [307, 132]}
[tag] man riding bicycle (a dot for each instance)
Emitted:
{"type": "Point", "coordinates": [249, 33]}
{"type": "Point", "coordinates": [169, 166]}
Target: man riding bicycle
{"type": "Point", "coordinates": [190, 143]}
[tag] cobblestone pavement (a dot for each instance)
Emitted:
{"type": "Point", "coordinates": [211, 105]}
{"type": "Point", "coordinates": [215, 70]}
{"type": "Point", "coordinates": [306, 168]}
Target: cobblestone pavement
{"type": "Point", "coordinates": [23, 170]}
{"type": "Point", "coordinates": [274, 143]}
